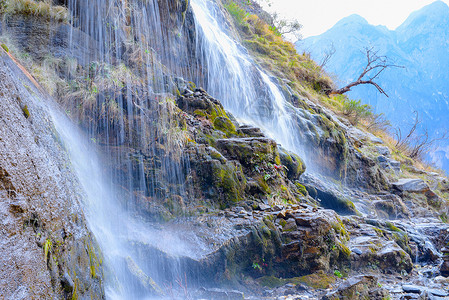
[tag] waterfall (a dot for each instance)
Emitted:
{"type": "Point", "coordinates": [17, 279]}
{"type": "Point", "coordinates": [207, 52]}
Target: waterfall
{"type": "Point", "coordinates": [132, 158]}
{"type": "Point", "coordinates": [130, 55]}
{"type": "Point", "coordinates": [243, 88]}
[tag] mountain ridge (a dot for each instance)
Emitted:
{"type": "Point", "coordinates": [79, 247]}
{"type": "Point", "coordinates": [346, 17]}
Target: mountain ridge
{"type": "Point", "coordinates": [419, 44]}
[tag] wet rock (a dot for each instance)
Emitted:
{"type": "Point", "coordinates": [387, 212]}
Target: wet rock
{"type": "Point", "coordinates": [379, 254]}
{"type": "Point", "coordinates": [38, 37]}
{"type": "Point", "coordinates": [411, 185]}
{"type": "Point", "coordinates": [44, 233]}
{"type": "Point", "coordinates": [263, 207]}
{"type": "Point", "coordinates": [437, 292]}
{"type": "Point", "coordinates": [391, 206]}
{"type": "Point", "coordinates": [359, 287]}
{"type": "Point", "coordinates": [295, 165]}
{"type": "Point", "coordinates": [413, 289]}
{"type": "Point", "coordinates": [146, 282]}
{"type": "Point", "coordinates": [329, 196]}
{"type": "Point", "coordinates": [444, 268]}
{"type": "Point", "coordinates": [219, 294]}
{"type": "Point", "coordinates": [67, 283]}
{"type": "Point", "coordinates": [290, 225]}
{"type": "Point", "coordinates": [251, 131]}
{"type": "Point", "coordinates": [248, 150]}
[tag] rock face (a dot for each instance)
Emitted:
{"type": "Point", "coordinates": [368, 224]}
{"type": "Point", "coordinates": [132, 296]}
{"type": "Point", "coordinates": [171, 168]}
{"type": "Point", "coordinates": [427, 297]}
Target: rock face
{"type": "Point", "coordinates": [47, 250]}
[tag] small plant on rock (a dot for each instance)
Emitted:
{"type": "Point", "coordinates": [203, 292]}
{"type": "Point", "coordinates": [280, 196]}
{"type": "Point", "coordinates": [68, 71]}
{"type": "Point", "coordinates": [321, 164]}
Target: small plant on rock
{"type": "Point", "coordinates": [338, 274]}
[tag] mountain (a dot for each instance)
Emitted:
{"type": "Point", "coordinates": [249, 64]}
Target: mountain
{"type": "Point", "coordinates": [420, 44]}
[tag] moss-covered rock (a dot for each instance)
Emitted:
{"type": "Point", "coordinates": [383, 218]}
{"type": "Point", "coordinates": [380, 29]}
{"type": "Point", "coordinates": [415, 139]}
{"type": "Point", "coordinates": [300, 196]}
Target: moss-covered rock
{"type": "Point", "coordinates": [294, 164]}
{"type": "Point", "coordinates": [359, 288]}
{"type": "Point", "coordinates": [225, 124]}
{"type": "Point", "coordinates": [250, 151]}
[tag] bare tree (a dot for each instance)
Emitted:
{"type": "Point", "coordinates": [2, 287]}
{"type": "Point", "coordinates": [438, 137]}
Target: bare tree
{"type": "Point", "coordinates": [286, 27]}
{"type": "Point", "coordinates": [328, 53]}
{"type": "Point", "coordinates": [414, 144]}
{"type": "Point", "coordinates": [375, 65]}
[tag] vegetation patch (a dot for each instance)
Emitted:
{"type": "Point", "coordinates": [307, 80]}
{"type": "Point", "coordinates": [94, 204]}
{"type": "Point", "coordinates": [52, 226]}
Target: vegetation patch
{"type": "Point", "coordinates": [43, 9]}
{"type": "Point", "coordinates": [279, 56]}
{"type": "Point", "coordinates": [5, 47]}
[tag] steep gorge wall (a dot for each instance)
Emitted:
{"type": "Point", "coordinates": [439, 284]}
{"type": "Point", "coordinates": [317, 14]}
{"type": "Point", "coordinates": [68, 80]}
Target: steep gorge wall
{"type": "Point", "coordinates": [47, 251]}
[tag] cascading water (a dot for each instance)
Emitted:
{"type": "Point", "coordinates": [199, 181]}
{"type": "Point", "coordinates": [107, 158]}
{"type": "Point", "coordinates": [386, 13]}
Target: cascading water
{"type": "Point", "coordinates": [127, 115]}
{"type": "Point", "coordinates": [128, 50]}
{"type": "Point", "coordinates": [244, 89]}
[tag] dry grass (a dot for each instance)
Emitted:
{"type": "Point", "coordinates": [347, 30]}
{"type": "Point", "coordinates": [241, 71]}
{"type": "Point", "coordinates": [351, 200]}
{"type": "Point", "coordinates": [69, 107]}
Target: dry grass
{"type": "Point", "coordinates": [277, 55]}
{"type": "Point", "coordinates": [43, 9]}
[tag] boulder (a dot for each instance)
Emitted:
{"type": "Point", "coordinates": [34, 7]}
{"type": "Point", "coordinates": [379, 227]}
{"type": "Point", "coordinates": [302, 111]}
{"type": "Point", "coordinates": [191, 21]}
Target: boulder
{"type": "Point", "coordinates": [411, 185]}
{"type": "Point", "coordinates": [249, 150]}
{"type": "Point", "coordinates": [376, 253]}
{"type": "Point", "coordinates": [359, 287]}
{"type": "Point", "coordinates": [251, 131]}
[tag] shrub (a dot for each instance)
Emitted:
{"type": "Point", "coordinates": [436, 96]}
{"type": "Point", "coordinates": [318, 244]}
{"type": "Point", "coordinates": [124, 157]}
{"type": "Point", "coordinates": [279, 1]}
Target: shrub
{"type": "Point", "coordinates": [354, 110]}
{"type": "Point", "coordinates": [236, 12]}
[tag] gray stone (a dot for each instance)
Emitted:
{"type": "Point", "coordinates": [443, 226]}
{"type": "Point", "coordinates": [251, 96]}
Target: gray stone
{"type": "Point", "coordinates": [356, 251]}
{"type": "Point", "coordinates": [251, 131]}
{"type": "Point", "coordinates": [264, 207]}
{"type": "Point", "coordinates": [382, 159]}
{"type": "Point", "coordinates": [395, 165]}
{"type": "Point", "coordinates": [413, 289]}
{"type": "Point", "coordinates": [439, 293]}
{"type": "Point", "coordinates": [383, 150]}
{"type": "Point", "coordinates": [290, 225]}
{"type": "Point", "coordinates": [411, 185]}
{"type": "Point", "coordinates": [219, 294]}
{"type": "Point", "coordinates": [39, 197]}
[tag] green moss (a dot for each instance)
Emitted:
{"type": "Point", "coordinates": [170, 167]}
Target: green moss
{"type": "Point", "coordinates": [94, 262]}
{"type": "Point", "coordinates": [271, 281]}
{"type": "Point", "coordinates": [47, 248]}
{"type": "Point", "coordinates": [5, 47]}
{"type": "Point", "coordinates": [263, 184]}
{"type": "Point", "coordinates": [392, 227]}
{"type": "Point", "coordinates": [230, 182]}
{"type": "Point", "coordinates": [25, 111]}
{"type": "Point", "coordinates": [225, 125]}
{"type": "Point", "coordinates": [302, 189]}
{"type": "Point", "coordinates": [318, 280]}
{"type": "Point", "coordinates": [344, 250]}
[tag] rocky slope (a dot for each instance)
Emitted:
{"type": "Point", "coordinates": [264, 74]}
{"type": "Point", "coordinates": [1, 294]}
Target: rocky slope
{"type": "Point", "coordinates": [245, 213]}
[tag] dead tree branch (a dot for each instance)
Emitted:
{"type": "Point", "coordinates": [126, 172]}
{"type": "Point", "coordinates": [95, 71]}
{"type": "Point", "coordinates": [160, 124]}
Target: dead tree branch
{"type": "Point", "coordinates": [375, 65]}
{"type": "Point", "coordinates": [416, 145]}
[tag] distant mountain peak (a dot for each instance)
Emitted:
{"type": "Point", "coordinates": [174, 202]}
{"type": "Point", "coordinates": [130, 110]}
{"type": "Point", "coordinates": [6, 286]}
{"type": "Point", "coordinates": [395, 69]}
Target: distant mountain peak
{"type": "Point", "coordinates": [354, 18]}
{"type": "Point", "coordinates": [437, 5]}
{"type": "Point", "coordinates": [435, 11]}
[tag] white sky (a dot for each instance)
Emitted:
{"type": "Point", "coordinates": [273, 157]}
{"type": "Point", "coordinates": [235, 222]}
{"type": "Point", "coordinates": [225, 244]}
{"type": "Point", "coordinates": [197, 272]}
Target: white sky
{"type": "Point", "coordinates": [317, 16]}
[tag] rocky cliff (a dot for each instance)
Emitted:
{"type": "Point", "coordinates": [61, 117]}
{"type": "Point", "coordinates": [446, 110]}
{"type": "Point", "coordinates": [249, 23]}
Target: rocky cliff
{"type": "Point", "coordinates": [47, 250]}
